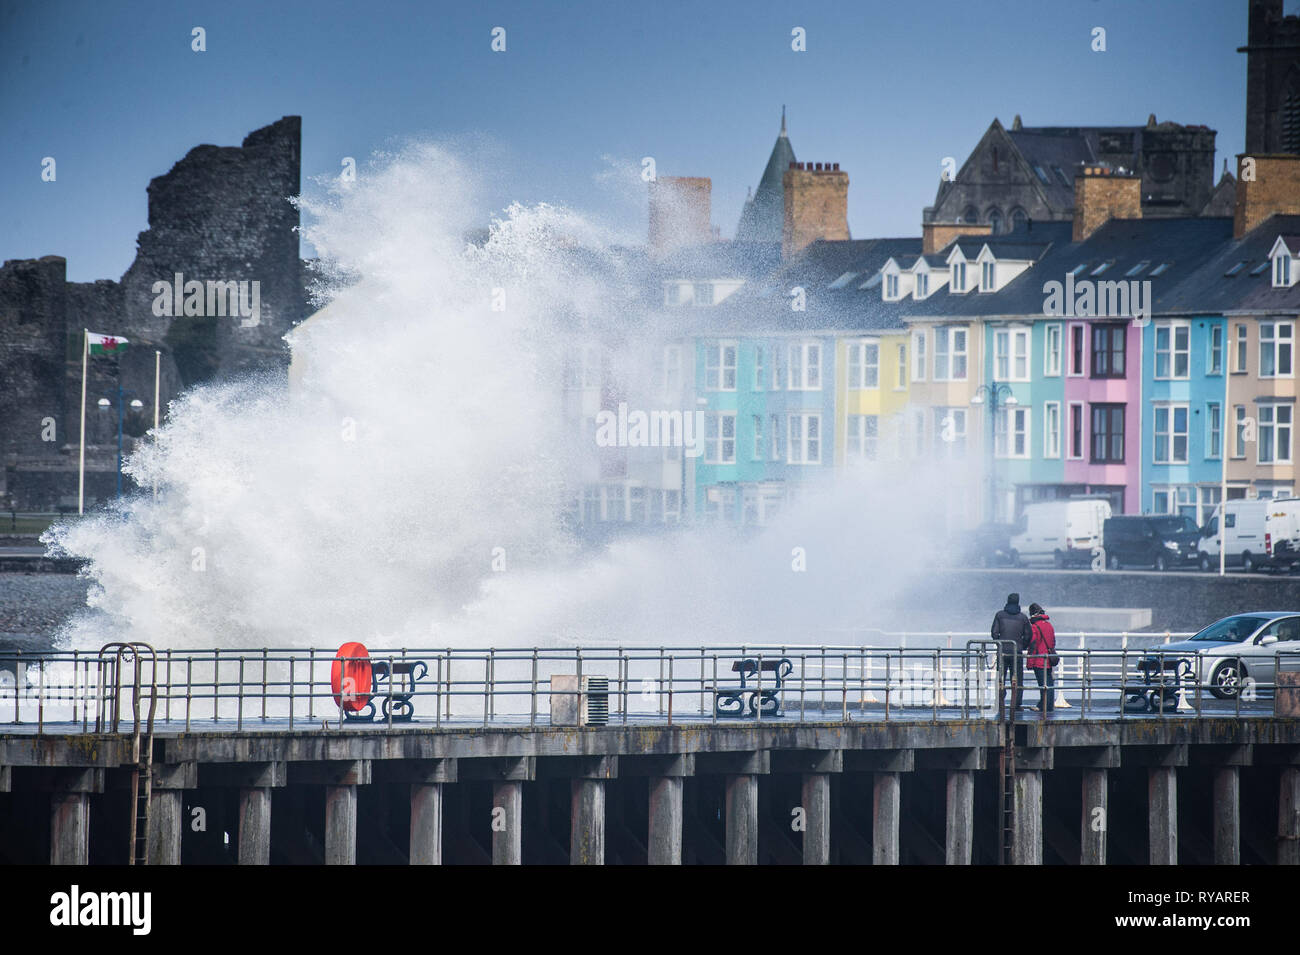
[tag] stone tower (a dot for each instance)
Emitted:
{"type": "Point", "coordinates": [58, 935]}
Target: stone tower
{"type": "Point", "coordinates": [1272, 80]}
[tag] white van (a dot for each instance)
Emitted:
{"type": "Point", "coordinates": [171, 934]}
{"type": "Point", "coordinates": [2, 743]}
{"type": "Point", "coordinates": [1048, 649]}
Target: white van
{"type": "Point", "coordinates": [1064, 532]}
{"type": "Point", "coordinates": [1282, 531]}
{"type": "Point", "coordinates": [1244, 528]}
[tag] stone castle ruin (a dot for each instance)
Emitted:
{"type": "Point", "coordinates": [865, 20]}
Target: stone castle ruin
{"type": "Point", "coordinates": [220, 218]}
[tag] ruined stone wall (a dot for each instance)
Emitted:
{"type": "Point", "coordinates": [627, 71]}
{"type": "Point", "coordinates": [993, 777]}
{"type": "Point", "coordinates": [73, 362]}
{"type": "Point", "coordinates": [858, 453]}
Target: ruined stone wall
{"type": "Point", "coordinates": [223, 214]}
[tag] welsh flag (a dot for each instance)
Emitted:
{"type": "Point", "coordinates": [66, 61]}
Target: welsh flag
{"type": "Point", "coordinates": [106, 344]}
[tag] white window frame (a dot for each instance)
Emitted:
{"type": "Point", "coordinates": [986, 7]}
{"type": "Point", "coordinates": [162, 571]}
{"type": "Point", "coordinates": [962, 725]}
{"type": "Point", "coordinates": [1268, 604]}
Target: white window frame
{"type": "Point", "coordinates": [698, 293]}
{"type": "Point", "coordinates": [988, 276]}
{"type": "Point", "coordinates": [1219, 331]}
{"type": "Point", "coordinates": [901, 382]}
{"type": "Point", "coordinates": [799, 442]}
{"type": "Point", "coordinates": [1241, 348]}
{"type": "Point", "coordinates": [1068, 431]}
{"type": "Point", "coordinates": [858, 376]}
{"type": "Point", "coordinates": [958, 277]}
{"type": "Point", "coordinates": [948, 335]}
{"type": "Point", "coordinates": [1052, 357]}
{"type": "Point", "coordinates": [1051, 433]}
{"type": "Point", "coordinates": [1170, 433]}
{"type": "Point", "coordinates": [891, 286]}
{"type": "Point", "coordinates": [759, 446]}
{"type": "Point", "coordinates": [1281, 271]}
{"type": "Point", "coordinates": [861, 437]}
{"type": "Point", "coordinates": [922, 284]}
{"type": "Point", "coordinates": [1275, 428]}
{"type": "Point", "coordinates": [1003, 427]}
{"type": "Point", "coordinates": [1213, 409]}
{"type": "Point", "coordinates": [778, 365]}
{"type": "Point", "coordinates": [1238, 432]}
{"type": "Point", "coordinates": [919, 356]}
{"type": "Point", "coordinates": [715, 445]}
{"type": "Point", "coordinates": [717, 372]}
{"type": "Point", "coordinates": [774, 436]}
{"type": "Point", "coordinates": [1172, 352]}
{"type": "Point", "coordinates": [804, 349]}
{"type": "Point", "coordinates": [760, 354]}
{"type": "Point", "coordinates": [1276, 342]}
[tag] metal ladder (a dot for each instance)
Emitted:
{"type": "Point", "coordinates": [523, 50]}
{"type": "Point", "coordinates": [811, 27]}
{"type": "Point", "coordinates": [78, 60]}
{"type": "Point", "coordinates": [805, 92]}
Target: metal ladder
{"type": "Point", "coordinates": [1007, 750]}
{"type": "Point", "coordinates": [112, 657]}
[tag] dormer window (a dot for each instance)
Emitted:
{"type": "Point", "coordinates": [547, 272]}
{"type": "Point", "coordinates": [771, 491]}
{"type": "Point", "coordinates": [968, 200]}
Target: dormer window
{"type": "Point", "coordinates": [988, 281]}
{"type": "Point", "coordinates": [672, 294]}
{"type": "Point", "coordinates": [922, 285]}
{"type": "Point", "coordinates": [1283, 255]}
{"type": "Point", "coordinates": [1282, 271]}
{"type": "Point", "coordinates": [959, 276]}
{"type": "Point", "coordinates": [703, 293]}
{"type": "Point", "coordinates": [891, 286]}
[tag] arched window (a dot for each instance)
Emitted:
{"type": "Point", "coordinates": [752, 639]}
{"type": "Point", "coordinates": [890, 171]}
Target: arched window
{"type": "Point", "coordinates": [1290, 114]}
{"type": "Point", "coordinates": [970, 216]}
{"type": "Point", "coordinates": [1019, 220]}
{"type": "Point", "coordinates": [995, 221]}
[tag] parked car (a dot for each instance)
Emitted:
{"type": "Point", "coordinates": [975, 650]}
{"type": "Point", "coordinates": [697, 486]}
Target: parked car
{"type": "Point", "coordinates": [1282, 532]}
{"type": "Point", "coordinates": [1236, 648]}
{"type": "Point", "coordinates": [1244, 528]}
{"type": "Point", "coordinates": [1156, 542]}
{"type": "Point", "coordinates": [988, 545]}
{"type": "Point", "coordinates": [1065, 532]}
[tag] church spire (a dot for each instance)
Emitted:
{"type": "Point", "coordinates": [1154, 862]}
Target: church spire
{"type": "Point", "coordinates": [782, 119]}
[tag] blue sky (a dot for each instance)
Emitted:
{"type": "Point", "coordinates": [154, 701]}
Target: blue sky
{"type": "Point", "coordinates": [113, 91]}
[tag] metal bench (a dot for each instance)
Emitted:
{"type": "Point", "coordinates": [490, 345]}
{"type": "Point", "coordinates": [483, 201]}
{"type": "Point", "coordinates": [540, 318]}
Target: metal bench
{"type": "Point", "coordinates": [395, 697]}
{"type": "Point", "coordinates": [1162, 677]}
{"type": "Point", "coordinates": [746, 700]}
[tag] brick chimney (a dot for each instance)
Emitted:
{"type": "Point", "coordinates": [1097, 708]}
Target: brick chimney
{"type": "Point", "coordinates": [680, 212]}
{"type": "Point", "coordinates": [1102, 194]}
{"type": "Point", "coordinates": [936, 235]}
{"type": "Point", "coordinates": [1273, 190]}
{"type": "Point", "coordinates": [816, 205]}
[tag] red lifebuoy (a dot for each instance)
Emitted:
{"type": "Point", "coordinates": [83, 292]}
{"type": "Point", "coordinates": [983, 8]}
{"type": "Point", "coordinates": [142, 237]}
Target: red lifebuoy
{"type": "Point", "coordinates": [350, 677]}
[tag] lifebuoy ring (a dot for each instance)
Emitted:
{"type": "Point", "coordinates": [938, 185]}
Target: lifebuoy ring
{"type": "Point", "coordinates": [350, 677]}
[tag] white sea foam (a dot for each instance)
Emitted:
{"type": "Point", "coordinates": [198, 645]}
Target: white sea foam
{"type": "Point", "coordinates": [425, 431]}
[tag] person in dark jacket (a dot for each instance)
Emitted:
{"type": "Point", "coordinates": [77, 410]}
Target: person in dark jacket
{"type": "Point", "coordinates": [1011, 624]}
{"type": "Point", "coordinates": [1042, 643]}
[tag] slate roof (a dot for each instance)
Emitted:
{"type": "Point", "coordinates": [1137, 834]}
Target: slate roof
{"type": "Point", "coordinates": [1209, 291]}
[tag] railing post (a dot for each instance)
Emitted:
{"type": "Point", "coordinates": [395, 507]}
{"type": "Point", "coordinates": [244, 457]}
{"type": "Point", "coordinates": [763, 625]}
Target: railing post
{"type": "Point", "coordinates": [291, 661]}
{"type": "Point", "coordinates": [532, 693]}
{"type": "Point", "coordinates": [263, 684]}
{"type": "Point", "coordinates": [239, 703]}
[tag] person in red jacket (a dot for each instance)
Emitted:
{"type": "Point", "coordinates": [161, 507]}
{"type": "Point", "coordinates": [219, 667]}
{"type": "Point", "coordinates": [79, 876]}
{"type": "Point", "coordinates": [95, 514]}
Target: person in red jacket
{"type": "Point", "coordinates": [1042, 643]}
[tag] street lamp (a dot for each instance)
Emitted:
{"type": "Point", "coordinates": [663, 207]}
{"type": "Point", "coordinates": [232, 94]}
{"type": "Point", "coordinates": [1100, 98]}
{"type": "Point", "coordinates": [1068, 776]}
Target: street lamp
{"type": "Point", "coordinates": [997, 396]}
{"type": "Point", "coordinates": [104, 405]}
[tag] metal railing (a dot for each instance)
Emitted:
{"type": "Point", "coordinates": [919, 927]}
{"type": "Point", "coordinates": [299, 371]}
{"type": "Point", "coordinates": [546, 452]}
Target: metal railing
{"type": "Point", "coordinates": [70, 691]}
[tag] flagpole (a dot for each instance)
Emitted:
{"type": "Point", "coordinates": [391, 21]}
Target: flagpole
{"type": "Point", "coordinates": [81, 457]}
{"type": "Point", "coordinates": [157, 376]}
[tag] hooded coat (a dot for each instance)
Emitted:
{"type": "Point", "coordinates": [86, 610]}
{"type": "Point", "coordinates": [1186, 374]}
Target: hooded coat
{"type": "Point", "coordinates": [1041, 642]}
{"type": "Point", "coordinates": [1010, 623]}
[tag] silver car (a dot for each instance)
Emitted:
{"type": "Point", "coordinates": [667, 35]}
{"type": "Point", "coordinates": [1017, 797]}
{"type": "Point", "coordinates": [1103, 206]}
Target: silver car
{"type": "Point", "coordinates": [1236, 650]}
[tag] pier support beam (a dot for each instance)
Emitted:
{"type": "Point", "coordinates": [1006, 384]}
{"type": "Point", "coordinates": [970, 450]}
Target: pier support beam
{"type": "Point", "coordinates": [959, 826]}
{"type": "Point", "coordinates": [507, 774]}
{"type": "Point", "coordinates": [666, 775]}
{"type": "Point", "coordinates": [1288, 817]}
{"type": "Point", "coordinates": [1162, 811]}
{"type": "Point", "coordinates": [340, 777]}
{"type": "Point", "coordinates": [885, 800]}
{"type": "Point", "coordinates": [742, 769]}
{"type": "Point", "coordinates": [1027, 844]}
{"type": "Point", "coordinates": [587, 810]}
{"type": "Point", "coordinates": [426, 777]}
{"type": "Point", "coordinates": [742, 819]}
{"type": "Point", "coordinates": [1227, 816]}
{"type": "Point", "coordinates": [165, 808]}
{"type": "Point", "coordinates": [816, 767]}
{"type": "Point", "coordinates": [1095, 823]}
{"type": "Point", "coordinates": [1094, 817]}
{"type": "Point", "coordinates": [816, 799]}
{"type": "Point", "coordinates": [70, 791]}
{"type": "Point", "coordinates": [255, 825]}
